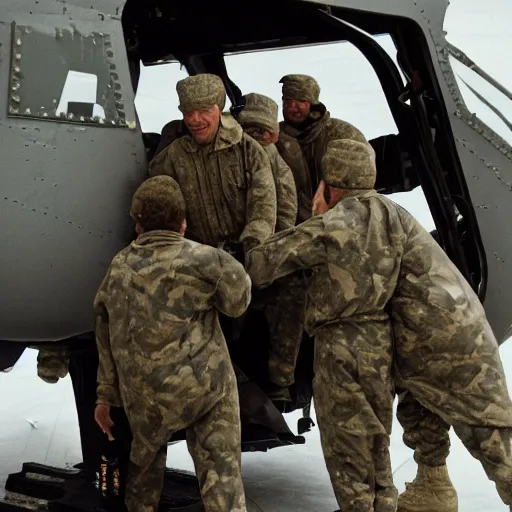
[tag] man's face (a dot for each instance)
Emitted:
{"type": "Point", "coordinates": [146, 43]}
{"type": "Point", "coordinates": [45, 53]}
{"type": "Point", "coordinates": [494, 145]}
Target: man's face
{"type": "Point", "coordinates": [295, 111]}
{"type": "Point", "coordinates": [203, 123]}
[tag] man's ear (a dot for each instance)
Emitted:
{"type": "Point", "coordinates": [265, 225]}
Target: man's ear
{"type": "Point", "coordinates": [183, 227]}
{"type": "Point", "coordinates": [334, 195]}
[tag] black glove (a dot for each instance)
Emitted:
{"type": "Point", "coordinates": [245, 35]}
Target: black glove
{"type": "Point", "coordinates": [235, 248]}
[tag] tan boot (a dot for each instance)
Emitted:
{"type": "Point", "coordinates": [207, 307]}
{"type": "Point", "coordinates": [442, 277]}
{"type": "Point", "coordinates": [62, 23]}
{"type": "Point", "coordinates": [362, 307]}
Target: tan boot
{"type": "Point", "coordinates": [431, 491]}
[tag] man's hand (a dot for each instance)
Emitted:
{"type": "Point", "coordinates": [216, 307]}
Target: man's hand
{"type": "Point", "coordinates": [103, 419]}
{"type": "Point", "coordinates": [320, 205]}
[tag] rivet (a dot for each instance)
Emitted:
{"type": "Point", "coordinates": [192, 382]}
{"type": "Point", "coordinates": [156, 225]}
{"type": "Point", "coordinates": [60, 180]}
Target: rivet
{"type": "Point", "coordinates": [18, 42]}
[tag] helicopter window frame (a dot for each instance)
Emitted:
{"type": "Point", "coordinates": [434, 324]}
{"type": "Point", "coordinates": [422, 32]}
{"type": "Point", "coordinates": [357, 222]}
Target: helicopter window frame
{"type": "Point", "coordinates": [35, 51]}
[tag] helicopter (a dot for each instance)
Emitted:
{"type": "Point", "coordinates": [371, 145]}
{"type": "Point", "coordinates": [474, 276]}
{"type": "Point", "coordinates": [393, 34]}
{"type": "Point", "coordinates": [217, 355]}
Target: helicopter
{"type": "Point", "coordinates": [70, 168]}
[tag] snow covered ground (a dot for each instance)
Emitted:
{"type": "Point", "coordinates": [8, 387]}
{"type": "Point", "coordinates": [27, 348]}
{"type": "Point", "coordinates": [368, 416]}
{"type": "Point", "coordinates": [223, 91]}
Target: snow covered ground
{"type": "Point", "coordinates": [38, 424]}
{"type": "Point", "coordinates": [38, 420]}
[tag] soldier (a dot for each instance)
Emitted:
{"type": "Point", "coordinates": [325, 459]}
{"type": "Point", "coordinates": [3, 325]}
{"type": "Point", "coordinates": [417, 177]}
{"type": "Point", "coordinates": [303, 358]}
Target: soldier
{"type": "Point", "coordinates": [224, 174]}
{"type": "Point", "coordinates": [258, 119]}
{"type": "Point", "coordinates": [162, 353]}
{"type": "Point", "coordinates": [305, 132]}
{"type": "Point", "coordinates": [284, 308]}
{"type": "Point", "coordinates": [381, 287]}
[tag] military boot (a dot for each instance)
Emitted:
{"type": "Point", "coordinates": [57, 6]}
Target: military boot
{"type": "Point", "coordinates": [431, 491]}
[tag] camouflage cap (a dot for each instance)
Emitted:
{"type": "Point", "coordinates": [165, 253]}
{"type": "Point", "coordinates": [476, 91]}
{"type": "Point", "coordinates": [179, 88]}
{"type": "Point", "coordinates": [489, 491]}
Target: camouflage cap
{"type": "Point", "coordinates": [349, 164]}
{"type": "Point", "coordinates": [201, 91]}
{"type": "Point", "coordinates": [158, 204]}
{"type": "Point", "coordinates": [260, 110]}
{"type": "Point", "coordinates": [301, 87]}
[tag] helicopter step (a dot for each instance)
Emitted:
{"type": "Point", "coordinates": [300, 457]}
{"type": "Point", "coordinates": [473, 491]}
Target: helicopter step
{"type": "Point", "coordinates": [40, 487]}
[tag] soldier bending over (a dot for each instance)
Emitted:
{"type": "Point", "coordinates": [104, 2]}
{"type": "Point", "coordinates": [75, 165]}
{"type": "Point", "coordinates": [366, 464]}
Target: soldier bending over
{"type": "Point", "coordinates": [379, 276]}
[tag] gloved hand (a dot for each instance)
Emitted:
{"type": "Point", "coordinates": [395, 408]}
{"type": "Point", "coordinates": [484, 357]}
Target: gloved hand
{"type": "Point", "coordinates": [52, 364]}
{"type": "Point", "coordinates": [250, 243]}
{"type": "Point", "coordinates": [235, 248]}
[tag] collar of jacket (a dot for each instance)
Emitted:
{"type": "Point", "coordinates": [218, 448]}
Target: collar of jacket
{"type": "Point", "coordinates": [359, 193]}
{"type": "Point", "coordinates": [311, 128]}
{"type": "Point", "coordinates": [229, 134]}
{"type": "Point", "coordinates": [158, 237]}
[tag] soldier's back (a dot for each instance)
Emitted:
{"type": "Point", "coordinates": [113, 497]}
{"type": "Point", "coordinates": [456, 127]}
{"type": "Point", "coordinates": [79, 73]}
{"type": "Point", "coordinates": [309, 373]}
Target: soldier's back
{"type": "Point", "coordinates": [162, 298]}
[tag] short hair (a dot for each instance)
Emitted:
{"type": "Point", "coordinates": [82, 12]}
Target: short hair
{"type": "Point", "coordinates": [158, 204]}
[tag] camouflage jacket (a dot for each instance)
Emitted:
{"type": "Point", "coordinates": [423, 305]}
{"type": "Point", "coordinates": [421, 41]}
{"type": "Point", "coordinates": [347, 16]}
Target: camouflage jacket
{"type": "Point", "coordinates": [285, 189]}
{"type": "Point", "coordinates": [161, 349]}
{"type": "Point", "coordinates": [303, 152]}
{"type": "Point", "coordinates": [369, 259]}
{"type": "Point", "coordinates": [228, 185]}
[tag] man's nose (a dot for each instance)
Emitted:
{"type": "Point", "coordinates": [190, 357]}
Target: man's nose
{"type": "Point", "coordinates": [194, 117]}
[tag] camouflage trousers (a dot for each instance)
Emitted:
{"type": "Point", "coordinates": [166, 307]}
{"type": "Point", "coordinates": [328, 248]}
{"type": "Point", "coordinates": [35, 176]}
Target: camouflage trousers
{"type": "Point", "coordinates": [428, 435]}
{"type": "Point", "coordinates": [285, 315]}
{"type": "Point", "coordinates": [214, 442]}
{"type": "Point", "coordinates": [353, 396]}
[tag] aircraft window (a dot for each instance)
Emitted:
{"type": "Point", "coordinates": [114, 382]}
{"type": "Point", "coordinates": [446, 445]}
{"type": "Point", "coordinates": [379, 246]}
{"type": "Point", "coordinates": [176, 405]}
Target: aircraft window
{"type": "Point", "coordinates": [350, 89]}
{"type": "Point", "coordinates": [65, 76]}
{"type": "Point", "coordinates": [482, 98]}
{"type": "Point", "coordinates": [482, 33]}
{"type": "Point", "coordinates": [349, 86]}
{"type": "Point", "coordinates": [156, 100]}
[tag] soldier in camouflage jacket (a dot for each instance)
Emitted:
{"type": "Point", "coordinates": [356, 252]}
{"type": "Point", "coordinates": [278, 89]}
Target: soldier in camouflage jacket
{"type": "Point", "coordinates": [162, 353]}
{"type": "Point", "coordinates": [382, 288]}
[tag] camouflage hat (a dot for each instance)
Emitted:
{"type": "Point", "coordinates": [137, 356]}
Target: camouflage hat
{"type": "Point", "coordinates": [260, 110]}
{"type": "Point", "coordinates": [158, 204]}
{"type": "Point", "coordinates": [349, 164]}
{"type": "Point", "coordinates": [301, 87]}
{"type": "Point", "coordinates": [201, 91]}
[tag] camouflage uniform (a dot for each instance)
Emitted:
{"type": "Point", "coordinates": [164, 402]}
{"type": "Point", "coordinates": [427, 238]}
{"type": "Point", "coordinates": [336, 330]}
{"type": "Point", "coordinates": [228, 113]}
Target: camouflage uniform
{"type": "Point", "coordinates": [303, 147]}
{"type": "Point", "coordinates": [164, 359]}
{"type": "Point", "coordinates": [285, 307]}
{"type": "Point", "coordinates": [369, 256]}
{"type": "Point", "coordinates": [228, 184]}
{"type": "Point", "coordinates": [52, 364]}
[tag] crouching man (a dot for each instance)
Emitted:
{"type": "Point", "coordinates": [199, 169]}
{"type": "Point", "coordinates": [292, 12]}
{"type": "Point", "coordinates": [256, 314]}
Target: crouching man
{"type": "Point", "coordinates": [377, 276]}
{"type": "Point", "coordinates": [162, 353]}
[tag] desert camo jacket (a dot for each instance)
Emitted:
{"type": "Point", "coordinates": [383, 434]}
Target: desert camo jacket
{"type": "Point", "coordinates": [303, 150]}
{"type": "Point", "coordinates": [285, 189]}
{"type": "Point", "coordinates": [162, 352]}
{"type": "Point", "coordinates": [228, 185]}
{"type": "Point", "coordinates": [371, 260]}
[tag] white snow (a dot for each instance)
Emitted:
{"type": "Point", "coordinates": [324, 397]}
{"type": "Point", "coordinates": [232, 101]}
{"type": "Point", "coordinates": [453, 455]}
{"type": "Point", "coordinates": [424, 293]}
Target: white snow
{"type": "Point", "coordinates": [291, 479]}
{"type": "Point", "coordinates": [38, 421]}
